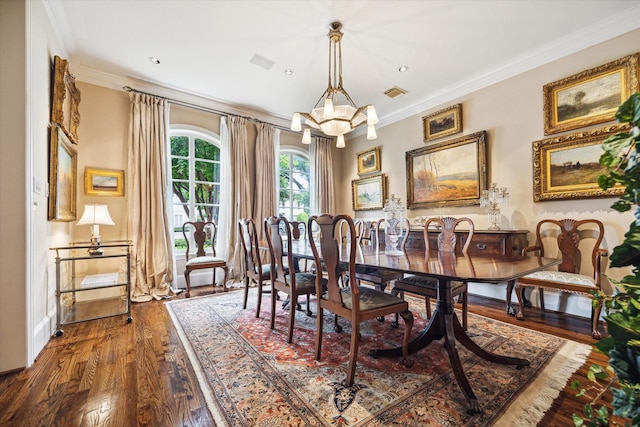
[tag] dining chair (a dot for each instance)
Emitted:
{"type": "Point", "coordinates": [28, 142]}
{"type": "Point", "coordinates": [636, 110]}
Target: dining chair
{"type": "Point", "coordinates": [354, 303]}
{"type": "Point", "coordinates": [568, 239]}
{"type": "Point", "coordinates": [428, 287]}
{"type": "Point", "coordinates": [284, 278]}
{"type": "Point", "coordinates": [380, 277]}
{"type": "Point", "coordinates": [203, 233]}
{"type": "Point", "coordinates": [254, 269]}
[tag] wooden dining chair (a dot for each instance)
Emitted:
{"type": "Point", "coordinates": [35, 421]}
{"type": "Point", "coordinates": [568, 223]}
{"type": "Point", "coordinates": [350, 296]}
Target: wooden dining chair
{"type": "Point", "coordinates": [568, 239]}
{"type": "Point", "coordinates": [428, 287]}
{"type": "Point", "coordinates": [354, 303]}
{"type": "Point", "coordinates": [284, 278]}
{"type": "Point", "coordinates": [254, 269]}
{"type": "Point", "coordinates": [203, 232]}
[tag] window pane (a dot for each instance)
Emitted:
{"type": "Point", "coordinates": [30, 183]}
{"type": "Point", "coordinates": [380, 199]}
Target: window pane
{"type": "Point", "coordinates": [203, 193]}
{"type": "Point", "coordinates": [285, 197]}
{"type": "Point", "coordinates": [206, 150]}
{"type": "Point", "coordinates": [179, 168]}
{"type": "Point", "coordinates": [204, 171]}
{"type": "Point", "coordinates": [180, 191]}
{"type": "Point", "coordinates": [179, 146]}
{"type": "Point", "coordinates": [300, 181]}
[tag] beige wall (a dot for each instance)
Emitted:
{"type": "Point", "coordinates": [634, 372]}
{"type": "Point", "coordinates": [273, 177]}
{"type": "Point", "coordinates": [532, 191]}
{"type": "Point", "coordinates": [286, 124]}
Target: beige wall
{"type": "Point", "coordinates": [511, 113]}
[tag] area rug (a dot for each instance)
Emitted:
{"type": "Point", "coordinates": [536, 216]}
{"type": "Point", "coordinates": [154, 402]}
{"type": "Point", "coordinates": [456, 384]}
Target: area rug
{"type": "Point", "coordinates": [250, 376]}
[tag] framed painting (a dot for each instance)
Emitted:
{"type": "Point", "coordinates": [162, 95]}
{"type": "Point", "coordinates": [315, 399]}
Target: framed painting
{"type": "Point", "coordinates": [369, 193]}
{"type": "Point", "coordinates": [103, 182]}
{"type": "Point", "coordinates": [589, 97]}
{"type": "Point", "coordinates": [568, 167]}
{"type": "Point", "coordinates": [450, 173]}
{"type": "Point", "coordinates": [62, 176]}
{"type": "Point", "coordinates": [442, 123]}
{"type": "Point", "coordinates": [369, 161]}
{"type": "Point", "coordinates": [65, 99]}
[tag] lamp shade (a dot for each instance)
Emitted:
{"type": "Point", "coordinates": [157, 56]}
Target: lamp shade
{"type": "Point", "coordinates": [96, 214]}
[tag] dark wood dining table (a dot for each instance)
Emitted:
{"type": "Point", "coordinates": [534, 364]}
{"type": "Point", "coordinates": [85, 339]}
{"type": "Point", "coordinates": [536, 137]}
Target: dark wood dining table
{"type": "Point", "coordinates": [445, 268]}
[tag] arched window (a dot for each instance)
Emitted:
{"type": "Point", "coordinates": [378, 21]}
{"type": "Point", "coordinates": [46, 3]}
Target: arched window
{"type": "Point", "coordinates": [195, 176]}
{"type": "Point", "coordinates": [294, 197]}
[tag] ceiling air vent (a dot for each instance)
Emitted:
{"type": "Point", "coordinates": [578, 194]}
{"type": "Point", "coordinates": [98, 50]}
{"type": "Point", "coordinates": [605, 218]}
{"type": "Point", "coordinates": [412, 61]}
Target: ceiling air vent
{"type": "Point", "coordinates": [394, 92]}
{"type": "Point", "coordinates": [262, 62]}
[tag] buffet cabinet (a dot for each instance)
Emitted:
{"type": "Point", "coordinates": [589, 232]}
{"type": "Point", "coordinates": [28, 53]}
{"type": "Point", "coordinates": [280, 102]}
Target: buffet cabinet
{"type": "Point", "coordinates": [92, 286]}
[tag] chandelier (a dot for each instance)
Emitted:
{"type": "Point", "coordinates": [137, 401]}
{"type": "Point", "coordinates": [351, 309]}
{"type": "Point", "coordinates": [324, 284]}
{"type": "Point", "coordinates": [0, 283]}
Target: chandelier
{"type": "Point", "coordinates": [335, 113]}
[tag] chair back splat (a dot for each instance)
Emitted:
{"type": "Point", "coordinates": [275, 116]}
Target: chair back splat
{"type": "Point", "coordinates": [203, 232]}
{"type": "Point", "coordinates": [569, 240]}
{"type": "Point", "coordinates": [254, 269]}
{"type": "Point", "coordinates": [354, 303]}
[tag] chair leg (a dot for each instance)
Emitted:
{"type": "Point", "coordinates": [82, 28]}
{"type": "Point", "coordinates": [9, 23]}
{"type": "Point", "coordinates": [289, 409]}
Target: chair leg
{"type": "Point", "coordinates": [214, 279]}
{"type": "Point", "coordinates": [224, 281]}
{"type": "Point", "coordinates": [407, 316]}
{"type": "Point", "coordinates": [595, 313]}
{"type": "Point", "coordinates": [186, 279]}
{"type": "Point", "coordinates": [319, 321]}
{"type": "Point", "coordinates": [259, 296]}
{"type": "Point", "coordinates": [465, 304]}
{"type": "Point", "coordinates": [274, 292]}
{"type": "Point", "coordinates": [292, 317]}
{"type": "Point", "coordinates": [427, 302]}
{"type": "Point", "coordinates": [519, 291]}
{"type": "Point", "coordinates": [541, 293]}
{"type": "Point", "coordinates": [397, 292]}
{"type": "Point", "coordinates": [336, 327]}
{"type": "Point", "coordinates": [247, 280]}
{"type": "Point", "coordinates": [353, 354]}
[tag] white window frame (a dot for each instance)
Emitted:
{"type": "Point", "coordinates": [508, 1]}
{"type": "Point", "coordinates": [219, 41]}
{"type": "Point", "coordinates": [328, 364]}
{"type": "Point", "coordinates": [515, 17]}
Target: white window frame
{"type": "Point", "coordinates": [288, 149]}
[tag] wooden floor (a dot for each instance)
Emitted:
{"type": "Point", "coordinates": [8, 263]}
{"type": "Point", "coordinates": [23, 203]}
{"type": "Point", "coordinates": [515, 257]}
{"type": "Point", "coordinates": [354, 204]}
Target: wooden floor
{"type": "Point", "coordinates": [109, 373]}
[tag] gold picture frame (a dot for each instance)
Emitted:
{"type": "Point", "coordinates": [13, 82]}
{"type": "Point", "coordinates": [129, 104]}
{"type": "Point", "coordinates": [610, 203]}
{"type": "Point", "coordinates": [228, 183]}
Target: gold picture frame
{"type": "Point", "coordinates": [65, 99]}
{"type": "Point", "coordinates": [450, 173]}
{"type": "Point", "coordinates": [442, 123]}
{"type": "Point", "coordinates": [369, 193]}
{"type": "Point", "coordinates": [369, 161]}
{"type": "Point", "coordinates": [63, 161]}
{"type": "Point", "coordinates": [590, 97]}
{"type": "Point", "coordinates": [567, 167]}
{"type": "Point", "coordinates": [103, 182]}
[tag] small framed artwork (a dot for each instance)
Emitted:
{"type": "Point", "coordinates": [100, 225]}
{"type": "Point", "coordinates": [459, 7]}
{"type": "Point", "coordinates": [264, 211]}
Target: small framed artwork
{"type": "Point", "coordinates": [568, 167]}
{"type": "Point", "coordinates": [62, 176]}
{"type": "Point", "coordinates": [65, 99]}
{"type": "Point", "coordinates": [103, 182]}
{"type": "Point", "coordinates": [590, 97]}
{"type": "Point", "coordinates": [442, 123]}
{"type": "Point", "coordinates": [369, 193]}
{"type": "Point", "coordinates": [369, 161]}
{"type": "Point", "coordinates": [450, 173]}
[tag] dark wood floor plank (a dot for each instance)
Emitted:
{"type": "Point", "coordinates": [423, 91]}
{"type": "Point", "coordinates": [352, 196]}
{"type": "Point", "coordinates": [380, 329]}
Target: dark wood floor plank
{"type": "Point", "coordinates": [107, 372]}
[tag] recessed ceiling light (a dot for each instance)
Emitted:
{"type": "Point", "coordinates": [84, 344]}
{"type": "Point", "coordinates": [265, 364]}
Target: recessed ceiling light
{"type": "Point", "coordinates": [403, 68]}
{"type": "Point", "coordinates": [154, 60]}
{"type": "Point", "coordinates": [288, 71]}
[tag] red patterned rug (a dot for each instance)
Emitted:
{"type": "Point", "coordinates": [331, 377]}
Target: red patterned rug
{"type": "Point", "coordinates": [252, 377]}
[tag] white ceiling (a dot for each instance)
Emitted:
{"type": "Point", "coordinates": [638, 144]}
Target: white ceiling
{"type": "Point", "coordinates": [205, 47]}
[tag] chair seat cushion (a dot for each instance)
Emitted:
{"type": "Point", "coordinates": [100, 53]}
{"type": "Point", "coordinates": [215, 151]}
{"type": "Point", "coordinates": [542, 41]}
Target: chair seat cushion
{"type": "Point", "coordinates": [369, 298]}
{"type": "Point", "coordinates": [306, 283]}
{"type": "Point", "coordinates": [561, 277]}
{"type": "Point", "coordinates": [265, 271]}
{"type": "Point", "coordinates": [205, 260]}
{"type": "Point", "coordinates": [426, 282]}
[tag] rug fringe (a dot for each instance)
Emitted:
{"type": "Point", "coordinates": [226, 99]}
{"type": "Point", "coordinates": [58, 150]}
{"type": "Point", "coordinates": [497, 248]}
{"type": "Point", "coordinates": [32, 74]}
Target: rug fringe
{"type": "Point", "coordinates": [529, 408]}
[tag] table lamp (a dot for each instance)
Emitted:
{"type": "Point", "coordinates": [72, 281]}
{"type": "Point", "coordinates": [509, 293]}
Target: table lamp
{"type": "Point", "coordinates": [94, 215]}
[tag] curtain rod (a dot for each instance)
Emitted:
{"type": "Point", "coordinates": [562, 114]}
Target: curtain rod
{"type": "Point", "coordinates": [201, 108]}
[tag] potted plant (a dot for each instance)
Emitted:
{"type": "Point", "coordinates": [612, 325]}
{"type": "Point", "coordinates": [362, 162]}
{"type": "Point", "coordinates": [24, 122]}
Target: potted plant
{"type": "Point", "coordinates": [622, 309]}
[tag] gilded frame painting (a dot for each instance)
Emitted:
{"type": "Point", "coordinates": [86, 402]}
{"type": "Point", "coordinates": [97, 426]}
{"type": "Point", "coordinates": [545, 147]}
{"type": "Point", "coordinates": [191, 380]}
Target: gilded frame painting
{"type": "Point", "coordinates": [589, 97]}
{"type": "Point", "coordinates": [567, 167]}
{"type": "Point", "coordinates": [442, 123]}
{"type": "Point", "coordinates": [450, 173]}
{"type": "Point", "coordinates": [65, 99]}
{"type": "Point", "coordinates": [369, 161]}
{"type": "Point", "coordinates": [369, 193]}
{"type": "Point", "coordinates": [103, 182]}
{"type": "Point", "coordinates": [63, 163]}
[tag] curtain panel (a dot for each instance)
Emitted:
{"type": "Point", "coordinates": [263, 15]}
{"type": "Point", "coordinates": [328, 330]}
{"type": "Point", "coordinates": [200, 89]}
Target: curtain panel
{"type": "Point", "coordinates": [322, 175]}
{"type": "Point", "coordinates": [267, 149]}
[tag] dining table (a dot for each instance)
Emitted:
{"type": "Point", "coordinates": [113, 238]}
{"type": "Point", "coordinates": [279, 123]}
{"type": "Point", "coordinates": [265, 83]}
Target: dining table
{"type": "Point", "coordinates": [444, 267]}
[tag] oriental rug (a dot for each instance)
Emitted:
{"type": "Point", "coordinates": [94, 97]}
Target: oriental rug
{"type": "Point", "coordinates": [250, 376]}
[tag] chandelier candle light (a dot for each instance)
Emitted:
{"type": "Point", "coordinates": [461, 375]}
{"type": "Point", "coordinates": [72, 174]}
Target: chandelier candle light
{"type": "Point", "coordinates": [493, 197]}
{"type": "Point", "coordinates": [335, 113]}
{"type": "Point", "coordinates": [393, 217]}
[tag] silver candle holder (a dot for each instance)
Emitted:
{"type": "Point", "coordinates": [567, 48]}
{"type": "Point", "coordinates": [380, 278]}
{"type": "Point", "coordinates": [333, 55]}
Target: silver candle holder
{"type": "Point", "coordinates": [493, 198]}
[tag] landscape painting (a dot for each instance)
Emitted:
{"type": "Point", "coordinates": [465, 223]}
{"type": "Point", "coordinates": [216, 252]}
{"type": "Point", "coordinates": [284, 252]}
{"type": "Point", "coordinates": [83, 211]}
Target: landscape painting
{"type": "Point", "coordinates": [368, 193]}
{"type": "Point", "coordinates": [568, 167]}
{"type": "Point", "coordinates": [451, 173]}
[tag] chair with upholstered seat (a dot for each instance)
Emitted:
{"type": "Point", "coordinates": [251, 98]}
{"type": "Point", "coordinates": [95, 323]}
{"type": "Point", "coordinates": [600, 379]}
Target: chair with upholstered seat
{"type": "Point", "coordinates": [254, 269]}
{"type": "Point", "coordinates": [203, 232]}
{"type": "Point", "coordinates": [568, 239]}
{"type": "Point", "coordinates": [284, 278]}
{"type": "Point", "coordinates": [354, 303]}
{"type": "Point", "coordinates": [428, 287]}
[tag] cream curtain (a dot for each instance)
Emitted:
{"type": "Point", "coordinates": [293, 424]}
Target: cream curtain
{"type": "Point", "coordinates": [148, 224]}
{"type": "Point", "coordinates": [322, 176]}
{"type": "Point", "coordinates": [267, 148]}
{"type": "Point", "coordinates": [237, 198]}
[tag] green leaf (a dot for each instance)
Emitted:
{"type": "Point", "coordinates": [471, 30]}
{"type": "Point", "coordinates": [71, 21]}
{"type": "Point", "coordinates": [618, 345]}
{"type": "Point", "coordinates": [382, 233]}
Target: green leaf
{"type": "Point", "coordinates": [629, 110]}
